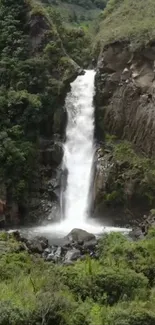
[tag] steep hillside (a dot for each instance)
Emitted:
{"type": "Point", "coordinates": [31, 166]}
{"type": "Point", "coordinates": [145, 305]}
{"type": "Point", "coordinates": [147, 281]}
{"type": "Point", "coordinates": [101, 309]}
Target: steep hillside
{"type": "Point", "coordinates": [35, 73]}
{"type": "Point", "coordinates": [128, 20]}
{"type": "Point", "coordinates": [125, 97]}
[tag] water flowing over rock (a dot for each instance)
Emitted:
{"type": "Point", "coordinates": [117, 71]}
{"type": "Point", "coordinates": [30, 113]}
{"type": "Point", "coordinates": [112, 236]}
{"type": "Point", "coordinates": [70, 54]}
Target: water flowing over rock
{"type": "Point", "coordinates": [79, 147]}
{"type": "Point", "coordinates": [77, 165]}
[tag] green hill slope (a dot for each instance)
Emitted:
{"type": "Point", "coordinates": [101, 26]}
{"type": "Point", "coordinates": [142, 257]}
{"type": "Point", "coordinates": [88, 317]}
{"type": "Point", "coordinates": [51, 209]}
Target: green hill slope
{"type": "Point", "coordinates": [77, 11]}
{"type": "Point", "coordinates": [128, 20]}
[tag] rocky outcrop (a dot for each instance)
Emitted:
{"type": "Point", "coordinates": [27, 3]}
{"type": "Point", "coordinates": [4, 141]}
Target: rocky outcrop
{"type": "Point", "coordinates": [76, 246]}
{"type": "Point", "coordinates": [125, 95]}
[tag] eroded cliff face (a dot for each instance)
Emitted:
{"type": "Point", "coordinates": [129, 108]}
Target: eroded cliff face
{"type": "Point", "coordinates": [125, 95]}
{"type": "Point", "coordinates": [125, 99]}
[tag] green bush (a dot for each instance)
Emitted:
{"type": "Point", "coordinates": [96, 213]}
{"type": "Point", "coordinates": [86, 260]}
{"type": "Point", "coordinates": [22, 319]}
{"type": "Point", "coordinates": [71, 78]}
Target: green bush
{"type": "Point", "coordinates": [106, 285]}
{"type": "Point", "coordinates": [115, 289]}
{"type": "Point", "coordinates": [127, 20]}
{"type": "Point", "coordinates": [130, 315]}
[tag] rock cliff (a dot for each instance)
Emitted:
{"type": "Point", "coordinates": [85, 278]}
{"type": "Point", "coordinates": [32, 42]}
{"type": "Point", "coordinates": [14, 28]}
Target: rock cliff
{"type": "Point", "coordinates": [125, 115]}
{"type": "Point", "coordinates": [125, 94]}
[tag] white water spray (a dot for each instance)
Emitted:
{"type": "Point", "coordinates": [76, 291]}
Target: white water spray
{"type": "Point", "coordinates": [79, 148]}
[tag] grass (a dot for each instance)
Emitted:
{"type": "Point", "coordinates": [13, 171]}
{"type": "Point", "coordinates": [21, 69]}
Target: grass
{"type": "Point", "coordinates": [128, 20]}
{"type": "Point", "coordinates": [118, 288]}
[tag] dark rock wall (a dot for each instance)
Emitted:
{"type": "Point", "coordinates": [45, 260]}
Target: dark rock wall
{"type": "Point", "coordinates": [125, 101]}
{"type": "Point", "coordinates": [125, 95]}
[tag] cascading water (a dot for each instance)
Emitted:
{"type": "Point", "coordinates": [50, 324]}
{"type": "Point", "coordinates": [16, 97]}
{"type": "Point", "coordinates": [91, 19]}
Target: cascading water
{"type": "Point", "coordinates": [79, 148]}
{"type": "Point", "coordinates": [78, 160]}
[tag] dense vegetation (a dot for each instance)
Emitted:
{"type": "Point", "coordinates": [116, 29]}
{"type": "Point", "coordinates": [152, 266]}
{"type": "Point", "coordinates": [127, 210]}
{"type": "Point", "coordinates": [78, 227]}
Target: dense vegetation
{"type": "Point", "coordinates": [36, 52]}
{"type": "Point", "coordinates": [132, 176]}
{"type": "Point", "coordinates": [128, 20]}
{"type": "Point", "coordinates": [117, 289]}
{"type": "Point", "coordinates": [35, 70]}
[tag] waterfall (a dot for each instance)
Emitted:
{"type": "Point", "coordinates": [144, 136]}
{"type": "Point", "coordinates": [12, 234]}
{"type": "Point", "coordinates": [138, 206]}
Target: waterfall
{"type": "Point", "coordinates": [78, 161]}
{"type": "Point", "coordinates": [79, 148]}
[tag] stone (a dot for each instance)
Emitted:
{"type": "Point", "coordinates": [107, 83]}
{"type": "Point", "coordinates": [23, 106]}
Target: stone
{"type": "Point", "coordinates": [90, 245]}
{"type": "Point", "coordinates": [15, 234]}
{"type": "Point", "coordinates": [136, 234]}
{"type": "Point", "coordinates": [73, 255]}
{"type": "Point", "coordinates": [78, 235]}
{"type": "Point", "coordinates": [34, 246]}
{"type": "Point", "coordinates": [47, 251]}
{"type": "Point", "coordinates": [58, 253]}
{"type": "Point", "coordinates": [55, 255]}
{"type": "Point", "coordinates": [43, 241]}
{"type": "Point", "coordinates": [50, 258]}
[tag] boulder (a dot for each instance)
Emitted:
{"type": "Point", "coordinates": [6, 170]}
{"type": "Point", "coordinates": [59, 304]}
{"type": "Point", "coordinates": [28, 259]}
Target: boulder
{"type": "Point", "coordinates": [43, 241]}
{"type": "Point", "coordinates": [15, 234]}
{"type": "Point", "coordinates": [55, 255]}
{"type": "Point", "coordinates": [73, 255]}
{"type": "Point", "coordinates": [80, 235]}
{"type": "Point", "coordinates": [50, 257]}
{"type": "Point", "coordinates": [58, 253]}
{"type": "Point", "coordinates": [136, 234]}
{"type": "Point", "coordinates": [90, 245]}
{"type": "Point", "coordinates": [34, 246]}
{"type": "Point", "coordinates": [37, 245]}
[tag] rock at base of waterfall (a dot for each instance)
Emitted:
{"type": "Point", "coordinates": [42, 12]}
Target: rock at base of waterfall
{"type": "Point", "coordinates": [37, 245]}
{"type": "Point", "coordinates": [90, 245]}
{"type": "Point", "coordinates": [50, 258]}
{"type": "Point", "coordinates": [73, 255]}
{"type": "Point", "coordinates": [80, 235]}
{"type": "Point", "coordinates": [15, 234]}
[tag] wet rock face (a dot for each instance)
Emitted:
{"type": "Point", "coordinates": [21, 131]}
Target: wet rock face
{"type": "Point", "coordinates": [125, 95]}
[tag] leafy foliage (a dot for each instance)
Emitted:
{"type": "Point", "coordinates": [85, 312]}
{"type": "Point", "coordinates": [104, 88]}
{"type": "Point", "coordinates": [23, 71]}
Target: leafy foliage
{"type": "Point", "coordinates": [128, 20]}
{"type": "Point", "coordinates": [118, 288]}
{"type": "Point", "coordinates": [33, 74]}
{"type": "Point", "coordinates": [132, 175]}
